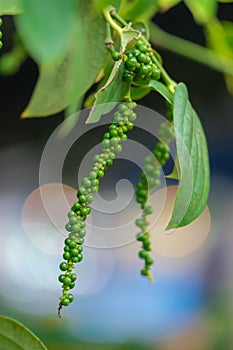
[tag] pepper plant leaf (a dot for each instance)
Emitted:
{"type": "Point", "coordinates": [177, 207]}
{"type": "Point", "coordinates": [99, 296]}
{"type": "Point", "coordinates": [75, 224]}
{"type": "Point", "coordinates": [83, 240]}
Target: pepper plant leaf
{"type": "Point", "coordinates": [65, 81]}
{"type": "Point", "coordinates": [193, 161]}
{"type": "Point", "coordinates": [15, 336]}
{"type": "Point", "coordinates": [161, 89]}
{"type": "Point", "coordinates": [45, 28]}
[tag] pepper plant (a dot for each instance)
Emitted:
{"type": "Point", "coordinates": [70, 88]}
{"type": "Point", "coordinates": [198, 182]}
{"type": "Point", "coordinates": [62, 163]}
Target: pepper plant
{"type": "Point", "coordinates": [110, 45]}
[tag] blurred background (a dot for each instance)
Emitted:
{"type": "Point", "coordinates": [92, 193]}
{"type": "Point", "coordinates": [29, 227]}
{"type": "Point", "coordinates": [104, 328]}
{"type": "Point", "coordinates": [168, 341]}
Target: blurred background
{"type": "Point", "coordinates": [190, 304]}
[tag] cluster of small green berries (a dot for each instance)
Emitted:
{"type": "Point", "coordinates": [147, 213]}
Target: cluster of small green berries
{"type": "Point", "coordinates": [123, 122]}
{"type": "Point", "coordinates": [139, 65]}
{"type": "Point", "coordinates": [149, 181]}
{"type": "Point", "coordinates": [0, 34]}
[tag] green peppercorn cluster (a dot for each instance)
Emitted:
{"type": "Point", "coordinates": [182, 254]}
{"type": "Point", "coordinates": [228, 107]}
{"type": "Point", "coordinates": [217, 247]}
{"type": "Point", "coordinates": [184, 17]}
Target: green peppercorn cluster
{"type": "Point", "coordinates": [149, 181]}
{"type": "Point", "coordinates": [123, 122]}
{"type": "Point", "coordinates": [0, 34]}
{"type": "Point", "coordinates": [139, 65]}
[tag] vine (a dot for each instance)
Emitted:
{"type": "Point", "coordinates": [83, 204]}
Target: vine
{"type": "Point", "coordinates": [136, 65]}
{"type": "Point", "coordinates": [125, 69]}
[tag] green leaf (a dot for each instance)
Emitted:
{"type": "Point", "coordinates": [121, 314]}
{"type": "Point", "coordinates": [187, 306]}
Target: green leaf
{"type": "Point", "coordinates": [62, 83]}
{"type": "Point", "coordinates": [15, 336]}
{"type": "Point", "coordinates": [193, 159]}
{"type": "Point", "coordinates": [203, 11]}
{"type": "Point", "coordinates": [10, 7]}
{"type": "Point", "coordinates": [139, 92]}
{"type": "Point", "coordinates": [108, 95]}
{"type": "Point", "coordinates": [51, 94]}
{"type": "Point", "coordinates": [175, 174]}
{"type": "Point", "coordinates": [162, 89]}
{"type": "Point", "coordinates": [137, 10]}
{"type": "Point", "coordinates": [46, 28]}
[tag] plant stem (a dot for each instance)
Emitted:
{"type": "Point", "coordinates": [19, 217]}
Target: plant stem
{"type": "Point", "coordinates": [107, 15]}
{"type": "Point", "coordinates": [190, 50]}
{"type": "Point", "coordinates": [115, 15]}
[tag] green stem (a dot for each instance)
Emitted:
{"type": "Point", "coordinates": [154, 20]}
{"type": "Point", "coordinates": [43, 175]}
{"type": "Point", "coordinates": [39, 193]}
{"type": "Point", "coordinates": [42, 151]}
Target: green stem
{"type": "Point", "coordinates": [115, 15]}
{"type": "Point", "coordinates": [190, 50]}
{"type": "Point", "coordinates": [107, 15]}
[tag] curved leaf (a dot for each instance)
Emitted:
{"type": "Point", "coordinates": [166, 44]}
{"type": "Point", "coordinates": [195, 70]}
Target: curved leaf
{"type": "Point", "coordinates": [162, 89]}
{"type": "Point", "coordinates": [15, 336]}
{"type": "Point", "coordinates": [46, 28]}
{"type": "Point", "coordinates": [59, 84]}
{"type": "Point", "coordinates": [193, 160]}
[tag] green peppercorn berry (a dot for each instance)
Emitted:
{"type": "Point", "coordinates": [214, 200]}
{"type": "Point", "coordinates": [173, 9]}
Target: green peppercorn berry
{"type": "Point", "coordinates": [74, 252]}
{"type": "Point", "coordinates": [95, 189]}
{"type": "Point", "coordinates": [128, 77]}
{"type": "Point", "coordinates": [67, 241]}
{"type": "Point", "coordinates": [116, 55]}
{"type": "Point", "coordinates": [71, 213]}
{"type": "Point", "coordinates": [72, 285]}
{"type": "Point", "coordinates": [66, 248]}
{"type": "Point", "coordinates": [129, 126]}
{"type": "Point", "coordinates": [72, 244]}
{"type": "Point", "coordinates": [141, 58]}
{"type": "Point", "coordinates": [89, 198]}
{"type": "Point", "coordinates": [109, 162]}
{"type": "Point", "coordinates": [66, 256]}
{"type": "Point", "coordinates": [142, 193]}
{"type": "Point", "coordinates": [132, 116]}
{"type": "Point", "coordinates": [65, 302]}
{"type": "Point", "coordinates": [76, 206]}
{"type": "Point", "coordinates": [143, 254]}
{"type": "Point", "coordinates": [67, 281]}
{"type": "Point", "coordinates": [147, 244]}
{"type": "Point", "coordinates": [113, 132]}
{"type": "Point", "coordinates": [82, 233]}
{"type": "Point", "coordinates": [118, 148]}
{"type": "Point", "coordinates": [115, 140]}
{"type": "Point", "coordinates": [100, 174]}
{"type": "Point", "coordinates": [68, 227]}
{"type": "Point", "coordinates": [144, 70]}
{"type": "Point", "coordinates": [75, 228]}
{"type": "Point", "coordinates": [82, 199]}
{"type": "Point", "coordinates": [131, 63]}
{"type": "Point", "coordinates": [84, 211]}
{"type": "Point", "coordinates": [86, 182]}
{"type": "Point", "coordinates": [122, 108]}
{"type": "Point", "coordinates": [149, 260]}
{"type": "Point", "coordinates": [80, 241]}
{"type": "Point", "coordinates": [63, 266]}
{"type": "Point", "coordinates": [75, 259]}
{"type": "Point", "coordinates": [144, 272]}
{"type": "Point", "coordinates": [61, 278]}
{"type": "Point", "coordinates": [92, 175]}
{"type": "Point", "coordinates": [82, 190]}
{"type": "Point", "coordinates": [140, 222]}
{"type": "Point", "coordinates": [143, 48]}
{"type": "Point", "coordinates": [148, 210]}
{"type": "Point", "coordinates": [124, 137]}
{"type": "Point", "coordinates": [80, 257]}
{"type": "Point", "coordinates": [70, 297]}
{"type": "Point", "coordinates": [156, 73]}
{"type": "Point", "coordinates": [106, 143]}
{"type": "Point", "coordinates": [73, 220]}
